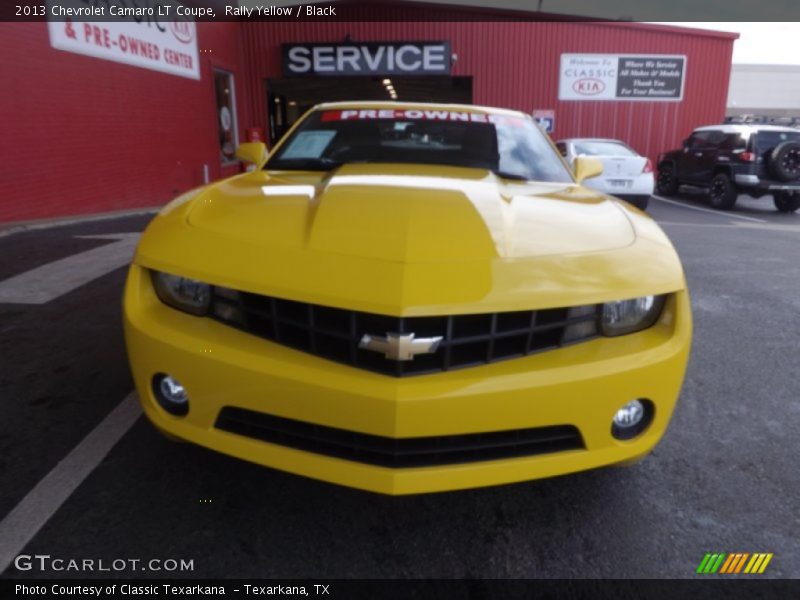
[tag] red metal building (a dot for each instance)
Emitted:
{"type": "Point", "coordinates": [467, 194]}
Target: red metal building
{"type": "Point", "coordinates": [87, 135]}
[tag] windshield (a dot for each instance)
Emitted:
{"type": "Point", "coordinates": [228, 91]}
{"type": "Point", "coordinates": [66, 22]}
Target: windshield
{"type": "Point", "coordinates": [603, 148]}
{"type": "Point", "coordinates": [510, 146]}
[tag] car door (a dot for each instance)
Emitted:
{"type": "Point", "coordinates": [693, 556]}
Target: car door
{"type": "Point", "coordinates": [691, 157]}
{"type": "Point", "coordinates": [709, 154]}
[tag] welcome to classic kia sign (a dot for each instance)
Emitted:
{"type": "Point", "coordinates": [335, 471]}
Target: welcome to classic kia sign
{"type": "Point", "coordinates": [155, 37]}
{"type": "Point", "coordinates": [653, 78]}
{"type": "Point", "coordinates": [367, 58]}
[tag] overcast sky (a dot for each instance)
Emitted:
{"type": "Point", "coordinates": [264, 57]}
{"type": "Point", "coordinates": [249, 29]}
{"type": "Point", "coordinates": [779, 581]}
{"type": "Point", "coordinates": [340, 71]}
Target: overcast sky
{"type": "Point", "coordinates": [760, 43]}
{"type": "Point", "coordinates": [774, 43]}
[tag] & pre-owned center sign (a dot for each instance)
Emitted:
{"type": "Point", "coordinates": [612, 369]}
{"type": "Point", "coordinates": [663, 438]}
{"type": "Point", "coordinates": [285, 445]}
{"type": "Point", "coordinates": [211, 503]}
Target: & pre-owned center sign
{"type": "Point", "coordinates": [157, 38]}
{"type": "Point", "coordinates": [367, 58]}
{"type": "Point", "coordinates": [653, 78]}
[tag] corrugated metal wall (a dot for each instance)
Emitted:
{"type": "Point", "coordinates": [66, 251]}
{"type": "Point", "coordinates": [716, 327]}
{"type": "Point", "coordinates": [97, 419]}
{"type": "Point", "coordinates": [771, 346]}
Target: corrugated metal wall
{"type": "Point", "coordinates": [515, 65]}
{"type": "Point", "coordinates": [84, 135]}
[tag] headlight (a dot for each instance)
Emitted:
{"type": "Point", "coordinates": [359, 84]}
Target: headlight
{"type": "Point", "coordinates": [188, 295]}
{"type": "Point", "coordinates": [628, 316]}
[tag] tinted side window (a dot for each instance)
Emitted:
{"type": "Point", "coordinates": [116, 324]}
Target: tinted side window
{"type": "Point", "coordinates": [699, 139]}
{"type": "Point", "coordinates": [715, 139]}
{"type": "Point", "coordinates": [733, 141]}
{"type": "Point", "coordinates": [767, 140]}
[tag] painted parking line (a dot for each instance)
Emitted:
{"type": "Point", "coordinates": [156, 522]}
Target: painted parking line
{"type": "Point", "coordinates": [736, 225]}
{"type": "Point", "coordinates": [725, 215]}
{"type": "Point", "coordinates": [45, 283]}
{"type": "Point", "coordinates": [25, 520]}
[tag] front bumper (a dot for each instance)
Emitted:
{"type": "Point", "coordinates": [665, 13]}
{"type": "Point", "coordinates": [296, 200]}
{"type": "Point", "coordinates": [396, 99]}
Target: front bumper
{"type": "Point", "coordinates": [581, 385]}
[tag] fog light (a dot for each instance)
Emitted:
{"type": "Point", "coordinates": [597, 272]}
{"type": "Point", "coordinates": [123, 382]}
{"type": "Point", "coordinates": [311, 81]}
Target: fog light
{"type": "Point", "coordinates": [170, 394]}
{"type": "Point", "coordinates": [631, 419]}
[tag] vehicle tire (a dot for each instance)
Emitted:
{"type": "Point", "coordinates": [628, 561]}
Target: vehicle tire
{"type": "Point", "coordinates": [667, 182]}
{"type": "Point", "coordinates": [787, 203]}
{"type": "Point", "coordinates": [784, 161]}
{"type": "Point", "coordinates": [641, 202]}
{"type": "Point", "coordinates": [722, 193]}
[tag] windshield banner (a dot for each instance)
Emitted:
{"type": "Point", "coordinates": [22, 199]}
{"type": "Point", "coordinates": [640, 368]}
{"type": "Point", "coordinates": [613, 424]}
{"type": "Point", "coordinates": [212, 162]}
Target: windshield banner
{"type": "Point", "coordinates": [418, 115]}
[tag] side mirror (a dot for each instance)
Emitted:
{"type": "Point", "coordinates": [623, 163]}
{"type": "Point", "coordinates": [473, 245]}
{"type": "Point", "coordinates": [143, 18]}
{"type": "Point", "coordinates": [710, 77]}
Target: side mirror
{"type": "Point", "coordinates": [252, 152]}
{"type": "Point", "coordinates": [587, 167]}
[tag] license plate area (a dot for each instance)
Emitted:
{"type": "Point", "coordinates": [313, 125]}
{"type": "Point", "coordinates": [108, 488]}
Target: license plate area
{"type": "Point", "coordinates": [620, 183]}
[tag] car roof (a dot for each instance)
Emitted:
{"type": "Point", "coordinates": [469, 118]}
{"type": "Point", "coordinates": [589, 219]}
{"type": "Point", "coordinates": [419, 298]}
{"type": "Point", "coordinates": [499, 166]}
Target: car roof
{"type": "Point", "coordinates": [489, 110]}
{"type": "Point", "coordinates": [746, 128]}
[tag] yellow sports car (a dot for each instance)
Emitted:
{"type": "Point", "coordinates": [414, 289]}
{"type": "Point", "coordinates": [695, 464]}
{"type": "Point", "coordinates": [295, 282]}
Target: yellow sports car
{"type": "Point", "coordinates": [409, 298]}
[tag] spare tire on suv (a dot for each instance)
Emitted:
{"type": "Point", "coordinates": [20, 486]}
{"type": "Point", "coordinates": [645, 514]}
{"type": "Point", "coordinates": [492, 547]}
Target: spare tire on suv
{"type": "Point", "coordinates": [784, 161]}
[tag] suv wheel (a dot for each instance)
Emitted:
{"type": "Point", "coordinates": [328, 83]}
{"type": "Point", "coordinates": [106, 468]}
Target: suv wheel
{"type": "Point", "coordinates": [722, 193]}
{"type": "Point", "coordinates": [787, 203]}
{"type": "Point", "coordinates": [784, 161]}
{"type": "Point", "coordinates": [667, 182]}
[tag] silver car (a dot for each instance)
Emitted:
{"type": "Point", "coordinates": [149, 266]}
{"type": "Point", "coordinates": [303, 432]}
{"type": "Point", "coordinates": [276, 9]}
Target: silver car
{"type": "Point", "coordinates": [626, 174]}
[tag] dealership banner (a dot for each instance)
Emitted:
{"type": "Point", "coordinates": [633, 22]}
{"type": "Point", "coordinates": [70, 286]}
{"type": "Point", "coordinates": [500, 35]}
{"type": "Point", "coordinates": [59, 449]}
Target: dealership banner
{"type": "Point", "coordinates": [621, 77]}
{"type": "Point", "coordinates": [367, 58]}
{"type": "Point", "coordinates": [160, 36]}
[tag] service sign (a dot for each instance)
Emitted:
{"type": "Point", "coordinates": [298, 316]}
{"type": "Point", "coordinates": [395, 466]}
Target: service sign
{"type": "Point", "coordinates": [621, 77]}
{"type": "Point", "coordinates": [367, 58]}
{"type": "Point", "coordinates": [155, 36]}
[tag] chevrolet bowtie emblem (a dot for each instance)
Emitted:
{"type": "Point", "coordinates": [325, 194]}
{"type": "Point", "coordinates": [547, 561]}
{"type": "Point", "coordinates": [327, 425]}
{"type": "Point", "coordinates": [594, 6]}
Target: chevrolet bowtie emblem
{"type": "Point", "coordinates": [400, 346]}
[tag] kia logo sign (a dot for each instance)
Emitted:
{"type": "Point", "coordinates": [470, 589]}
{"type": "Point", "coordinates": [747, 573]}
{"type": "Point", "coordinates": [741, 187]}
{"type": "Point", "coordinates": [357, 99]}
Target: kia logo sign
{"type": "Point", "coordinates": [589, 86]}
{"type": "Point", "coordinates": [183, 31]}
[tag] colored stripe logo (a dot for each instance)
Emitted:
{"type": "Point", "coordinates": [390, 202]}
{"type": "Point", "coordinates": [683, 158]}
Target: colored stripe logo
{"type": "Point", "coordinates": [734, 564]}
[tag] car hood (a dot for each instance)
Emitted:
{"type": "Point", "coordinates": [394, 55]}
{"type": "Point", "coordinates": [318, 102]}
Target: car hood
{"type": "Point", "coordinates": [412, 214]}
{"type": "Point", "coordinates": [412, 240]}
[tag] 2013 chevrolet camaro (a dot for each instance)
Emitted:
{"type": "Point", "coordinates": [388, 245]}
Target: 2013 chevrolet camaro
{"type": "Point", "coordinates": [409, 298]}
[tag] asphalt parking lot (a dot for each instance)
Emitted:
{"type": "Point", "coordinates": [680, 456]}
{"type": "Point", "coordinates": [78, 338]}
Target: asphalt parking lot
{"type": "Point", "coordinates": [724, 478]}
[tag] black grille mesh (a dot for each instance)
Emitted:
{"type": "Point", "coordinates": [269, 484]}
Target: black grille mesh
{"type": "Point", "coordinates": [334, 333]}
{"type": "Point", "coordinates": [399, 452]}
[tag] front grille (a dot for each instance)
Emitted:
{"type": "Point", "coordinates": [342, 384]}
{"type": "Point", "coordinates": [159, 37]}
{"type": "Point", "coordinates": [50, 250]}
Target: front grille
{"type": "Point", "coordinates": [467, 340]}
{"type": "Point", "coordinates": [399, 452]}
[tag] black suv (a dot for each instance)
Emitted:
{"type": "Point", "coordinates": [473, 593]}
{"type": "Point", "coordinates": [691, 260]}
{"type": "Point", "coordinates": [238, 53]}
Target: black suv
{"type": "Point", "coordinates": [730, 160]}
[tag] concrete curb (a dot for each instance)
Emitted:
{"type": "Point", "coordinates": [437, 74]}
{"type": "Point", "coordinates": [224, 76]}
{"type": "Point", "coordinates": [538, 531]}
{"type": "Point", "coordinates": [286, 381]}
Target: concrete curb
{"type": "Point", "coordinates": [12, 228]}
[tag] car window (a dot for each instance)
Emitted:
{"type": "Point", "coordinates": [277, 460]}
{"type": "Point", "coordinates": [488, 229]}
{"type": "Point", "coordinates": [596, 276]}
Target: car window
{"type": "Point", "coordinates": [603, 148]}
{"type": "Point", "coordinates": [767, 140]}
{"type": "Point", "coordinates": [706, 139]}
{"type": "Point", "coordinates": [716, 138]}
{"type": "Point", "coordinates": [734, 141]}
{"type": "Point", "coordinates": [506, 144]}
{"type": "Point", "coordinates": [562, 148]}
{"type": "Point", "coordinates": [699, 139]}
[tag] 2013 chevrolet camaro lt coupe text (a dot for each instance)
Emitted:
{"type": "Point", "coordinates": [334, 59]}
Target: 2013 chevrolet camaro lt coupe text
{"type": "Point", "coordinates": [409, 298]}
